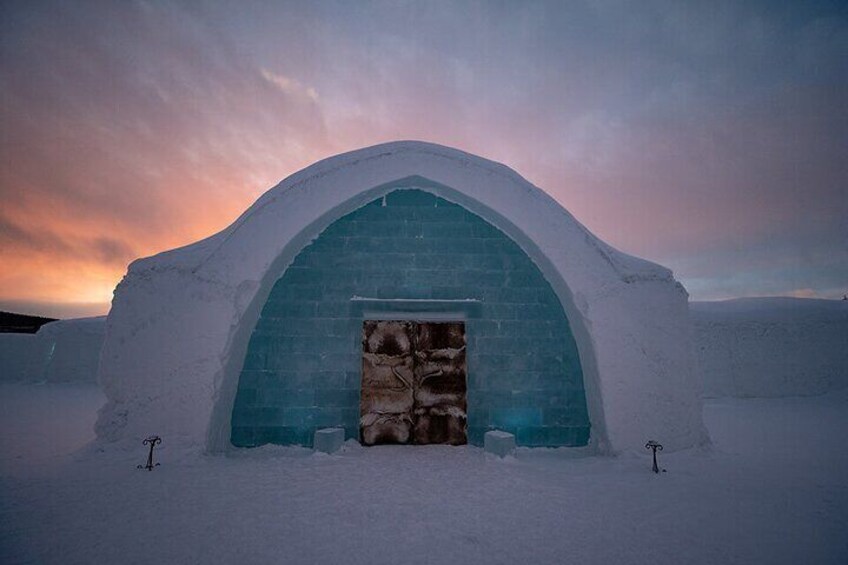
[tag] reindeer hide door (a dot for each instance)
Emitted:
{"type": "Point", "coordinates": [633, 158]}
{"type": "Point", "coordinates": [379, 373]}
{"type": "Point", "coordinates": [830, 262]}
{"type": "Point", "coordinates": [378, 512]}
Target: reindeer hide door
{"type": "Point", "coordinates": [413, 382]}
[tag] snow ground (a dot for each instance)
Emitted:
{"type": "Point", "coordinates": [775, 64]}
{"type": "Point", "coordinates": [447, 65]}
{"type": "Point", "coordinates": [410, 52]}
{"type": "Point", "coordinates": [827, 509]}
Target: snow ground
{"type": "Point", "coordinates": [773, 488]}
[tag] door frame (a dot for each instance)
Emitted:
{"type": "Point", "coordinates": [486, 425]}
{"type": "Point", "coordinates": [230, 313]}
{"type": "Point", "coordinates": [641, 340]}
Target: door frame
{"type": "Point", "coordinates": [462, 310]}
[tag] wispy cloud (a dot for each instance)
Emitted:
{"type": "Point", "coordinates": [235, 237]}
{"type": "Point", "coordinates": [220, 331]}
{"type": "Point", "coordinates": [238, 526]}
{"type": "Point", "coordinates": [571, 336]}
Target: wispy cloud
{"type": "Point", "coordinates": [289, 85]}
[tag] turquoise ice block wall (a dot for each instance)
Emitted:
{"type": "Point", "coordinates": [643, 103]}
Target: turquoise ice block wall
{"type": "Point", "coordinates": [302, 368]}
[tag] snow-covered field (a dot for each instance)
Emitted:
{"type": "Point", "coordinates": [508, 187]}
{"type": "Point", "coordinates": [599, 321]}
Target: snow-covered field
{"type": "Point", "coordinates": [773, 488]}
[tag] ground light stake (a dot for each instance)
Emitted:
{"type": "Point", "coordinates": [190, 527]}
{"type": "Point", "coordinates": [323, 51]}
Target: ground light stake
{"type": "Point", "coordinates": [650, 445]}
{"type": "Point", "coordinates": [152, 441]}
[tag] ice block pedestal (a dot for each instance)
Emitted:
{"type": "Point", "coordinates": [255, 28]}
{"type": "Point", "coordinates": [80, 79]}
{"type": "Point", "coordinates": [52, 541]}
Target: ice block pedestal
{"type": "Point", "coordinates": [328, 440]}
{"type": "Point", "coordinates": [499, 443]}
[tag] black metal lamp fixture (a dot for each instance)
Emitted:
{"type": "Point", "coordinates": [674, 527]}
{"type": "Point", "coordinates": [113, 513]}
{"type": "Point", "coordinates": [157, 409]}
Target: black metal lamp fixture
{"type": "Point", "coordinates": [152, 441]}
{"type": "Point", "coordinates": [655, 446]}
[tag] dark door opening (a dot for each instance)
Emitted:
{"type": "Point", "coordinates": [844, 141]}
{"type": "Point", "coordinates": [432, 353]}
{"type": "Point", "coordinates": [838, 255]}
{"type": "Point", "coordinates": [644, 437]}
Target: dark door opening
{"type": "Point", "coordinates": [413, 383]}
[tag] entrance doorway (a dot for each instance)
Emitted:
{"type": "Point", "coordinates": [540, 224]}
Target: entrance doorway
{"type": "Point", "coordinates": [413, 383]}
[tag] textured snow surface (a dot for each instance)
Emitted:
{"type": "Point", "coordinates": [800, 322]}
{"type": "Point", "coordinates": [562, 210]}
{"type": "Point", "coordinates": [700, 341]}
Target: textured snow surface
{"type": "Point", "coordinates": [41, 423]}
{"type": "Point", "coordinates": [772, 489]}
{"type": "Point", "coordinates": [770, 347]}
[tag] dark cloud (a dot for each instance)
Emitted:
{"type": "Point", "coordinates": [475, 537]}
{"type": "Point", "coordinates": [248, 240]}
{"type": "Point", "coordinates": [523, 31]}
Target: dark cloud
{"type": "Point", "coordinates": [108, 250]}
{"type": "Point", "coordinates": [26, 241]}
{"type": "Point", "coordinates": [30, 240]}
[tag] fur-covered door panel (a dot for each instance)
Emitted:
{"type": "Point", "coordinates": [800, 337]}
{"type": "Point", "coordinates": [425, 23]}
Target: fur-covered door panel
{"type": "Point", "coordinates": [413, 383]}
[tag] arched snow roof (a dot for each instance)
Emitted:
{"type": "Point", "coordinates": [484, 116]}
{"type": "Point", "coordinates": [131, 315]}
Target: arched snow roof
{"type": "Point", "coordinates": [181, 320]}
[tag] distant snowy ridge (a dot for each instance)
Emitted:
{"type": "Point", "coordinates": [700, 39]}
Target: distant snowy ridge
{"type": "Point", "coordinates": [771, 347]}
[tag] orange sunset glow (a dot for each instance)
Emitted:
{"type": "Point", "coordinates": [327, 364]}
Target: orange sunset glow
{"type": "Point", "coordinates": [132, 128]}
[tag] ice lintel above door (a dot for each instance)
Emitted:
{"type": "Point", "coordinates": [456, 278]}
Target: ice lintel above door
{"type": "Point", "coordinates": [425, 309]}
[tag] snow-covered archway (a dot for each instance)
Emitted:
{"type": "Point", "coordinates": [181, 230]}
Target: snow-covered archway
{"type": "Point", "coordinates": [181, 321]}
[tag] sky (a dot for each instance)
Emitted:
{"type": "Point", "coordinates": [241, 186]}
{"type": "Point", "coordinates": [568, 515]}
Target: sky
{"type": "Point", "coordinates": [710, 137]}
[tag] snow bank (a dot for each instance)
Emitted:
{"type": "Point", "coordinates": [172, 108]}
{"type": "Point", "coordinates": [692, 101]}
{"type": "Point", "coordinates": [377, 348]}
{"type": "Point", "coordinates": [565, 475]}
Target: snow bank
{"type": "Point", "coordinates": [180, 321]}
{"type": "Point", "coordinates": [770, 347]}
{"type": "Point", "coordinates": [61, 351]}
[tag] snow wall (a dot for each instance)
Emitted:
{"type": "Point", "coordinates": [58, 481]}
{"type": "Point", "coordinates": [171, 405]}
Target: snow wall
{"type": "Point", "coordinates": [61, 351]}
{"type": "Point", "coordinates": [21, 356]}
{"type": "Point", "coordinates": [181, 321]}
{"type": "Point", "coordinates": [768, 347]}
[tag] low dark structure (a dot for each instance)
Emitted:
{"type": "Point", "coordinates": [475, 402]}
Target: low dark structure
{"type": "Point", "coordinates": [21, 323]}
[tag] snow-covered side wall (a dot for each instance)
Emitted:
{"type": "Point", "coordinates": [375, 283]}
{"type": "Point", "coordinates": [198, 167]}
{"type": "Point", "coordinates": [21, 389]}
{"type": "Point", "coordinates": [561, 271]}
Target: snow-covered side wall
{"type": "Point", "coordinates": [766, 347]}
{"type": "Point", "coordinates": [61, 351]}
{"type": "Point", "coordinates": [73, 349]}
{"type": "Point", "coordinates": [21, 356]}
{"type": "Point", "coordinates": [180, 322]}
